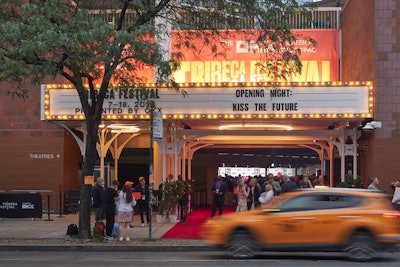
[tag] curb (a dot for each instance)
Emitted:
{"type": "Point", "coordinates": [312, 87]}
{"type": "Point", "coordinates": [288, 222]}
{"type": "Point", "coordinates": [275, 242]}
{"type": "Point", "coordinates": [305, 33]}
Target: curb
{"type": "Point", "coordinates": [139, 245]}
{"type": "Point", "coordinates": [106, 248]}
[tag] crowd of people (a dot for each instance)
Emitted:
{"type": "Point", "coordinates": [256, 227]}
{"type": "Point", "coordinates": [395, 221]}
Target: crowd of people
{"type": "Point", "coordinates": [252, 192]}
{"type": "Point", "coordinates": [112, 204]}
{"type": "Point", "coordinates": [249, 193]}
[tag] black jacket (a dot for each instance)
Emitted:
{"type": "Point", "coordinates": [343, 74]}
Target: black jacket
{"type": "Point", "coordinates": [98, 196]}
{"type": "Point", "coordinates": [109, 197]}
{"type": "Point", "coordinates": [144, 191]}
{"type": "Point", "coordinates": [222, 191]}
{"type": "Point", "coordinates": [288, 186]}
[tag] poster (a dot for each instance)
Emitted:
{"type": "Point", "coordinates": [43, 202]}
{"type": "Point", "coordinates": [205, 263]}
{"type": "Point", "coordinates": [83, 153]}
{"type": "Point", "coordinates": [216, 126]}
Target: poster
{"type": "Point", "coordinates": [396, 196]}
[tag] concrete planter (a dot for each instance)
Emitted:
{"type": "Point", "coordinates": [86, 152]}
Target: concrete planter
{"type": "Point", "coordinates": [172, 218]}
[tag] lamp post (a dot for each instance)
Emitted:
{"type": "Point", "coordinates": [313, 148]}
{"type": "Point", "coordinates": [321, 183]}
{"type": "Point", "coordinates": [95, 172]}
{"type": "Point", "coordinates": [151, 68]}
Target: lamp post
{"type": "Point", "coordinates": [151, 172]}
{"type": "Point", "coordinates": [156, 129]}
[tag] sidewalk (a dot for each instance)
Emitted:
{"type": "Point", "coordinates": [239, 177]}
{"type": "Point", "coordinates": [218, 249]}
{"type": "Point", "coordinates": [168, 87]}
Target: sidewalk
{"type": "Point", "coordinates": [43, 234]}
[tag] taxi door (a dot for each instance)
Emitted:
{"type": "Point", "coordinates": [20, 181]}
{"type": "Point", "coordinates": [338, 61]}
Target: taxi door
{"type": "Point", "coordinates": [293, 223]}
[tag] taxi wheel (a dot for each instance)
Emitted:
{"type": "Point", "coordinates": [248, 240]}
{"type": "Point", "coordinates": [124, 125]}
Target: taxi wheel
{"type": "Point", "coordinates": [361, 247]}
{"type": "Point", "coordinates": [242, 244]}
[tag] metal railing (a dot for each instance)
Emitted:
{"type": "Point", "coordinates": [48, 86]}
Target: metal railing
{"type": "Point", "coordinates": [321, 18]}
{"type": "Point", "coordinates": [198, 199]}
{"type": "Point", "coordinates": [318, 18]}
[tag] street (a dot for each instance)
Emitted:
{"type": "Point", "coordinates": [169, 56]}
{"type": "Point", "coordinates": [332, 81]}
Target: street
{"type": "Point", "coordinates": [196, 258]}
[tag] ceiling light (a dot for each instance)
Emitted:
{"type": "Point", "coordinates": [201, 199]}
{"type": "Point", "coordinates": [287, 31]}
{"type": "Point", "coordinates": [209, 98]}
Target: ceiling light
{"type": "Point", "coordinates": [255, 126]}
{"type": "Point", "coordinates": [125, 128]}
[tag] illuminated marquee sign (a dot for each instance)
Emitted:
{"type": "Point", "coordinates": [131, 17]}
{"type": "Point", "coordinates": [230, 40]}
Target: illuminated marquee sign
{"type": "Point", "coordinates": [233, 100]}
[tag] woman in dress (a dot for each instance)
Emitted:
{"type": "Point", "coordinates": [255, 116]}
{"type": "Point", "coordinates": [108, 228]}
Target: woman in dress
{"type": "Point", "coordinates": [242, 194]}
{"type": "Point", "coordinates": [126, 203]}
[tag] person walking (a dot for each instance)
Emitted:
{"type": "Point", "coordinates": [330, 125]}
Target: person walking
{"type": "Point", "coordinates": [143, 201]}
{"type": "Point", "coordinates": [242, 194]}
{"type": "Point", "coordinates": [126, 203]}
{"type": "Point", "coordinates": [110, 199]}
{"type": "Point", "coordinates": [98, 199]}
{"type": "Point", "coordinates": [219, 189]}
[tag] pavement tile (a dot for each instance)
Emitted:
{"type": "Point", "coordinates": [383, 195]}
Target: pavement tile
{"type": "Point", "coordinates": [44, 234]}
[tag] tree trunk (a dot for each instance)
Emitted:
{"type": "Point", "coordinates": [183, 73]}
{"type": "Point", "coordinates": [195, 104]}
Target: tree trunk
{"type": "Point", "coordinates": [84, 212]}
{"type": "Point", "coordinates": [86, 190]}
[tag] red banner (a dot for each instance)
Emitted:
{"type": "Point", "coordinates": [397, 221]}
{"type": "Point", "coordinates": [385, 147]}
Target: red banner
{"type": "Point", "coordinates": [241, 56]}
{"type": "Point", "coordinates": [239, 62]}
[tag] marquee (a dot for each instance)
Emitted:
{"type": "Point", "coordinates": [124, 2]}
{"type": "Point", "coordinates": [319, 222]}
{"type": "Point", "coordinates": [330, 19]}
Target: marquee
{"type": "Point", "coordinates": [222, 100]}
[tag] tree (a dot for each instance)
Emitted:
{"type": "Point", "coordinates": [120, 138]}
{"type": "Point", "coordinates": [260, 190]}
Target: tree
{"type": "Point", "coordinates": [41, 38]}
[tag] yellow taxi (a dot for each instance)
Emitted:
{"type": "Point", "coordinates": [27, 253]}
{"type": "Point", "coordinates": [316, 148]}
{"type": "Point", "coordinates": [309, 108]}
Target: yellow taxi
{"type": "Point", "coordinates": [356, 221]}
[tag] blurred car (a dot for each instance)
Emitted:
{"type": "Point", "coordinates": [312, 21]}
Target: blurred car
{"type": "Point", "coordinates": [356, 221]}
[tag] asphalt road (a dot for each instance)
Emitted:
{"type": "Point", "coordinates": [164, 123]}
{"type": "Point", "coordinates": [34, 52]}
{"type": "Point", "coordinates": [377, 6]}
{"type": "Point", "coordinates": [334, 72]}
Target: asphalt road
{"type": "Point", "coordinates": [169, 259]}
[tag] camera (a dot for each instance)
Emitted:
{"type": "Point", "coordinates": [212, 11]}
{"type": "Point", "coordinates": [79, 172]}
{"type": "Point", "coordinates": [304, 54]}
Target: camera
{"type": "Point", "coordinates": [371, 126]}
{"type": "Point", "coordinates": [368, 128]}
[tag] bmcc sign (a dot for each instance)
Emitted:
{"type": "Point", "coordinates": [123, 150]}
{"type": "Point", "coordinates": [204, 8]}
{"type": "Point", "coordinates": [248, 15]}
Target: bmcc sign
{"type": "Point", "coordinates": [228, 100]}
{"type": "Point", "coordinates": [239, 64]}
{"type": "Point", "coordinates": [238, 58]}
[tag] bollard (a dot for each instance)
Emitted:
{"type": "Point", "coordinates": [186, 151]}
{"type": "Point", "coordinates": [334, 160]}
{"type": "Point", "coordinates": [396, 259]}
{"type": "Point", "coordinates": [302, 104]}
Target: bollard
{"type": "Point", "coordinates": [150, 209]}
{"type": "Point", "coordinates": [60, 206]}
{"type": "Point", "coordinates": [48, 208]}
{"type": "Point", "coordinates": [60, 190]}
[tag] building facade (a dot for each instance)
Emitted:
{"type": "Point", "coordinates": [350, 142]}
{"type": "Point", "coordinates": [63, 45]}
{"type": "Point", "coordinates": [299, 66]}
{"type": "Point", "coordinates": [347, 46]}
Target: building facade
{"type": "Point", "coordinates": [38, 155]}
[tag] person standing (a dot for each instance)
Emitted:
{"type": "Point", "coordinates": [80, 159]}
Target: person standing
{"type": "Point", "coordinates": [288, 185]}
{"type": "Point", "coordinates": [126, 202]}
{"type": "Point", "coordinates": [98, 199]}
{"type": "Point", "coordinates": [242, 194]}
{"type": "Point", "coordinates": [319, 181]}
{"type": "Point", "coordinates": [130, 184]}
{"type": "Point", "coordinates": [267, 195]}
{"type": "Point", "coordinates": [305, 181]}
{"type": "Point", "coordinates": [144, 199]}
{"type": "Point", "coordinates": [276, 187]}
{"type": "Point", "coordinates": [254, 194]}
{"type": "Point", "coordinates": [374, 184]}
{"type": "Point", "coordinates": [110, 199]}
{"type": "Point", "coordinates": [219, 189]}
{"type": "Point", "coordinates": [183, 200]}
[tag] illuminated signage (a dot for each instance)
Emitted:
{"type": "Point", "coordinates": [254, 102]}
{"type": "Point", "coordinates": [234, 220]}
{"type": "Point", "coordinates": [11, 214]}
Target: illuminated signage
{"type": "Point", "coordinates": [246, 100]}
{"type": "Point", "coordinates": [239, 56]}
{"type": "Point", "coordinates": [242, 56]}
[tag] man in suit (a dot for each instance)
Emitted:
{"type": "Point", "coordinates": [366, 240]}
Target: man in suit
{"type": "Point", "coordinates": [219, 189]}
{"type": "Point", "coordinates": [288, 185]}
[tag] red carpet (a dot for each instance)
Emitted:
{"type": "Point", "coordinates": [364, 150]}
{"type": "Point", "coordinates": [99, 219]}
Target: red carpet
{"type": "Point", "coordinates": [191, 228]}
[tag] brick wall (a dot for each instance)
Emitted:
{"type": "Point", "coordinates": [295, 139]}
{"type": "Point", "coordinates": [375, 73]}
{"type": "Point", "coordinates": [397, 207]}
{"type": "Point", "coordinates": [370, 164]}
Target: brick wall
{"type": "Point", "coordinates": [371, 39]}
{"type": "Point", "coordinates": [34, 154]}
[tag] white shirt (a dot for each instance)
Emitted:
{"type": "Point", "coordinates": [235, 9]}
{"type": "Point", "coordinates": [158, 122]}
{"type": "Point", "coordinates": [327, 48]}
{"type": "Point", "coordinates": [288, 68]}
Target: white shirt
{"type": "Point", "coordinates": [264, 197]}
{"type": "Point", "coordinates": [122, 205]}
